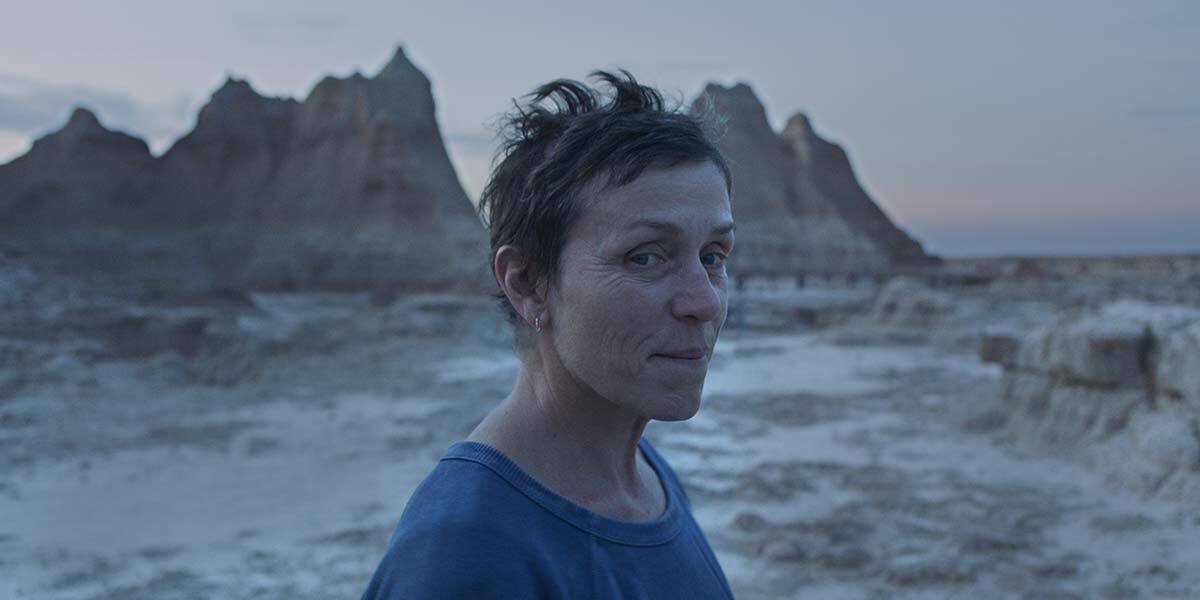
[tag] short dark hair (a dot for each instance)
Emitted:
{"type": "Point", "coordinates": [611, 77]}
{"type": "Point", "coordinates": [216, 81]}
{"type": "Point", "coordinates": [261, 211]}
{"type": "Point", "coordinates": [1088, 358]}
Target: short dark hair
{"type": "Point", "coordinates": [567, 136]}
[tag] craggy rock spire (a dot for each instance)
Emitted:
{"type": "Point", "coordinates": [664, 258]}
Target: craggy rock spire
{"type": "Point", "coordinates": [350, 189]}
{"type": "Point", "coordinates": [798, 204]}
{"type": "Point", "coordinates": [367, 191]}
{"type": "Point", "coordinates": [828, 166]}
{"type": "Point", "coordinates": [215, 175]}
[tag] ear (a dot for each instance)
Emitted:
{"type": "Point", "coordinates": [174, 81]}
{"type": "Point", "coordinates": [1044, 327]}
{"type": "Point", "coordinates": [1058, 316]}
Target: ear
{"type": "Point", "coordinates": [511, 269]}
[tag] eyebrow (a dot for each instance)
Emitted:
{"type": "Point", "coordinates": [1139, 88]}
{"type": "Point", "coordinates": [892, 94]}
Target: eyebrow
{"type": "Point", "coordinates": [719, 230]}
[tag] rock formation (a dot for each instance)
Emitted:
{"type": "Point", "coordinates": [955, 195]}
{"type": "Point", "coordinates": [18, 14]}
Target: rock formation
{"type": "Point", "coordinates": [367, 191]}
{"type": "Point", "coordinates": [797, 202]}
{"type": "Point", "coordinates": [350, 189]}
{"type": "Point", "coordinates": [825, 172]}
{"type": "Point", "coordinates": [75, 181]}
{"type": "Point", "coordinates": [906, 302]}
{"type": "Point", "coordinates": [221, 171]}
{"type": "Point", "coordinates": [1128, 368]}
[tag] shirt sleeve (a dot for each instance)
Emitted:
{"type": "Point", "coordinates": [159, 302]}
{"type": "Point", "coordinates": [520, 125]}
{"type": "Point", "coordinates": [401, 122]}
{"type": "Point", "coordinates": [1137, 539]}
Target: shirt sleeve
{"type": "Point", "coordinates": [461, 560]}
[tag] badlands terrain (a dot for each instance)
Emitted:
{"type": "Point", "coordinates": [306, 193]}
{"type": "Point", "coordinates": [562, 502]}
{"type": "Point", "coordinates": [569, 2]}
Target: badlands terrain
{"type": "Point", "coordinates": [855, 441]}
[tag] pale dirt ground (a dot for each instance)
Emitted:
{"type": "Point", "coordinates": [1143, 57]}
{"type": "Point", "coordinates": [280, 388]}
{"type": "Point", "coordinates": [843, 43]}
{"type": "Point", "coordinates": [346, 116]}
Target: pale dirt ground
{"type": "Point", "coordinates": [841, 463]}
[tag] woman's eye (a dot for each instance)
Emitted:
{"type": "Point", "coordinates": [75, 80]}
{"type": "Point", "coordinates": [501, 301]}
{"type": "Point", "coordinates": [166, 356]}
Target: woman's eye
{"type": "Point", "coordinates": [713, 259]}
{"type": "Point", "coordinates": [645, 259]}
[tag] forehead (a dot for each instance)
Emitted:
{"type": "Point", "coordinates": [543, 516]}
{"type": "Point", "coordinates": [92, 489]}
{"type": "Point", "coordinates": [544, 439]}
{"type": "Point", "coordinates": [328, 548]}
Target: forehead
{"type": "Point", "coordinates": [692, 197]}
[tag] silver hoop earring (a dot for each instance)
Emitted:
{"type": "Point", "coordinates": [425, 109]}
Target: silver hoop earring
{"type": "Point", "coordinates": [537, 323]}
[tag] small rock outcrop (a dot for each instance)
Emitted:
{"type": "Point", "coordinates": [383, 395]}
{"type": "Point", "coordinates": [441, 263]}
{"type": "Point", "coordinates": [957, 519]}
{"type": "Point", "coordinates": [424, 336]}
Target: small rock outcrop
{"type": "Point", "coordinates": [77, 180]}
{"type": "Point", "coordinates": [906, 302]}
{"type": "Point", "coordinates": [1177, 365]}
{"type": "Point", "coordinates": [1129, 368]}
{"type": "Point", "coordinates": [797, 201]}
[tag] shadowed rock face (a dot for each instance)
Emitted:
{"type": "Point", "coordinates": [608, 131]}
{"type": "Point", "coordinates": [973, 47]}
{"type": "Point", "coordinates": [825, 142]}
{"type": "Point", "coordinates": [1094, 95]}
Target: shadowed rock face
{"type": "Point", "coordinates": [77, 179]}
{"type": "Point", "coordinates": [826, 168]}
{"type": "Point", "coordinates": [219, 172]}
{"type": "Point", "coordinates": [797, 202]}
{"type": "Point", "coordinates": [350, 189]}
{"type": "Point", "coordinates": [367, 191]}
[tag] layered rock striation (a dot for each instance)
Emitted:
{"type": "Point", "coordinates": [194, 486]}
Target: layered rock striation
{"type": "Point", "coordinates": [798, 204]}
{"type": "Point", "coordinates": [367, 190]}
{"type": "Point", "coordinates": [1128, 370]}
{"type": "Point", "coordinates": [350, 188]}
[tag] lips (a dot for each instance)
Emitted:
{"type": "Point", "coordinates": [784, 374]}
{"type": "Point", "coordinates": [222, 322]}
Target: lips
{"type": "Point", "coordinates": [685, 353]}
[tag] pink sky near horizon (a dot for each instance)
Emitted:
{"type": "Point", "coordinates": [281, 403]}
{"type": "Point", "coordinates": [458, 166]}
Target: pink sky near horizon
{"type": "Point", "coordinates": [1017, 129]}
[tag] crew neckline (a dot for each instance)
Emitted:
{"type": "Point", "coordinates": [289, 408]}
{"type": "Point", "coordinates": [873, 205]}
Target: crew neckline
{"type": "Point", "coordinates": [652, 532]}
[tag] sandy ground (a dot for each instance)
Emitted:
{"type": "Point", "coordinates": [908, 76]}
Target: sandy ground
{"type": "Point", "coordinates": [821, 465]}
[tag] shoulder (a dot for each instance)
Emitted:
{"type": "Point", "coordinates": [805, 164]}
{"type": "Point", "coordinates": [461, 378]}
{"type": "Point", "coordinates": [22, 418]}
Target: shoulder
{"type": "Point", "coordinates": [454, 559]}
{"type": "Point", "coordinates": [461, 535]}
{"type": "Point", "coordinates": [464, 508]}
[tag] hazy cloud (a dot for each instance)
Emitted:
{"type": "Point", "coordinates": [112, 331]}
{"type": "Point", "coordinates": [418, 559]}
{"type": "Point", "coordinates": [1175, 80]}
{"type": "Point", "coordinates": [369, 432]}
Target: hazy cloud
{"type": "Point", "coordinates": [472, 140]}
{"type": "Point", "coordinates": [1165, 113]}
{"type": "Point", "coordinates": [1185, 19]}
{"type": "Point", "coordinates": [693, 67]}
{"type": "Point", "coordinates": [319, 24]}
{"type": "Point", "coordinates": [322, 23]}
{"type": "Point", "coordinates": [30, 107]}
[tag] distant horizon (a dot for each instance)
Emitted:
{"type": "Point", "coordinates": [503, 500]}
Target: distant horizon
{"type": "Point", "coordinates": [1079, 141]}
{"type": "Point", "coordinates": [942, 230]}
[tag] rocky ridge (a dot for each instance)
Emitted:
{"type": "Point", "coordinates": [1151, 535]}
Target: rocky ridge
{"type": "Point", "coordinates": [350, 188]}
{"type": "Point", "coordinates": [798, 203]}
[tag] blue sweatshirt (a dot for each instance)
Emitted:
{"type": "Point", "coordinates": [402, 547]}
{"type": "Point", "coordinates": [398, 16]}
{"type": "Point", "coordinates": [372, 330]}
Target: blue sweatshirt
{"type": "Point", "coordinates": [480, 527]}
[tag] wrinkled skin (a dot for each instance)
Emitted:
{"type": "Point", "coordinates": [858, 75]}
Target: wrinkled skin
{"type": "Point", "coordinates": [636, 308]}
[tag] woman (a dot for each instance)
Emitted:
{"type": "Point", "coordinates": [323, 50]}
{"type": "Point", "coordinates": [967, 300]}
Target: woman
{"type": "Point", "coordinates": [610, 226]}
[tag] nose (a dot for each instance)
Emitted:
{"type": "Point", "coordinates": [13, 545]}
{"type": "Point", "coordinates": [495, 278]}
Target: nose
{"type": "Point", "coordinates": [697, 296]}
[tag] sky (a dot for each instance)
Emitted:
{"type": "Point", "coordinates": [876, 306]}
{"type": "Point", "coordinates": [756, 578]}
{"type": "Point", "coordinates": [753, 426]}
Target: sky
{"type": "Point", "coordinates": [981, 128]}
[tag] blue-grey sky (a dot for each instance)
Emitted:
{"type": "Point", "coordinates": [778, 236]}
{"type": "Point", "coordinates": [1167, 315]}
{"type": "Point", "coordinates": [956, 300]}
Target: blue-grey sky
{"type": "Point", "coordinates": [980, 127]}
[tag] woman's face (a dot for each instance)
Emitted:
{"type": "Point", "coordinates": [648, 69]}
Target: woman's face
{"type": "Point", "coordinates": [641, 292]}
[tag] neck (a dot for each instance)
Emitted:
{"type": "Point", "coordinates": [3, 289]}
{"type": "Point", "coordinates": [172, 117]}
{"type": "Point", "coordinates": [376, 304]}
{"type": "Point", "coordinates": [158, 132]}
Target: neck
{"type": "Point", "coordinates": [574, 441]}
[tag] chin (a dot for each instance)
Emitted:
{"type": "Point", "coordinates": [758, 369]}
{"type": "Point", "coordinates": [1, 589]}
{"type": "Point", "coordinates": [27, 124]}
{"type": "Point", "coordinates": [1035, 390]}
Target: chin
{"type": "Point", "coordinates": [675, 409]}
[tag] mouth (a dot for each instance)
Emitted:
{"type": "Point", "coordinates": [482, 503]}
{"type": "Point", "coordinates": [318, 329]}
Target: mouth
{"type": "Point", "coordinates": [685, 354]}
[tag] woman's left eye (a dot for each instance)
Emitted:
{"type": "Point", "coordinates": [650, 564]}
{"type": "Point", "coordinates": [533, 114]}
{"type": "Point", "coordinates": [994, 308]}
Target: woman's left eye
{"type": "Point", "coordinates": [644, 259]}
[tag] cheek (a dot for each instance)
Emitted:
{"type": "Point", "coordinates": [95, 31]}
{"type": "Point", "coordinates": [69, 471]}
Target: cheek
{"type": "Point", "coordinates": [607, 327]}
{"type": "Point", "coordinates": [723, 293]}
